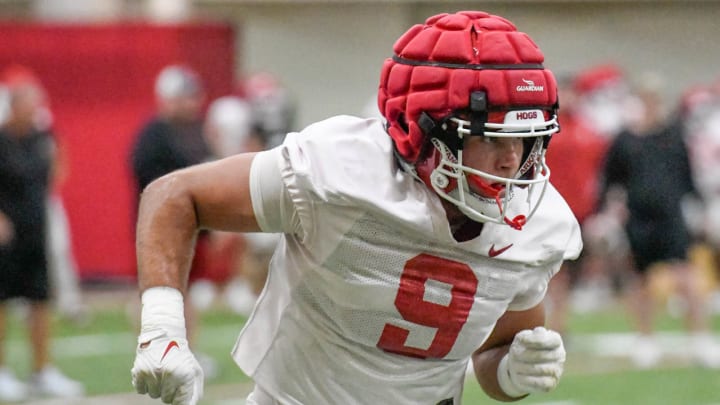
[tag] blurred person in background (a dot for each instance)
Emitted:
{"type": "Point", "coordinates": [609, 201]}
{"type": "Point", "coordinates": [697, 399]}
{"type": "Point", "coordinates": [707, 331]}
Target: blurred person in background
{"type": "Point", "coordinates": [230, 129]}
{"type": "Point", "coordinates": [173, 139]}
{"type": "Point", "coordinates": [700, 115]}
{"type": "Point", "coordinates": [649, 163]}
{"type": "Point", "coordinates": [65, 287]}
{"type": "Point", "coordinates": [272, 105]}
{"type": "Point", "coordinates": [27, 159]}
{"type": "Point", "coordinates": [602, 93]}
{"type": "Point", "coordinates": [406, 249]}
{"type": "Point", "coordinates": [576, 159]}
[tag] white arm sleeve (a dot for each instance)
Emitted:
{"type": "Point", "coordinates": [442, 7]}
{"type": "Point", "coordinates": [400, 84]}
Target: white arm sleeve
{"type": "Point", "coordinates": [273, 207]}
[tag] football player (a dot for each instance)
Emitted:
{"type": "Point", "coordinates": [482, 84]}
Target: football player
{"type": "Point", "coordinates": [407, 250]}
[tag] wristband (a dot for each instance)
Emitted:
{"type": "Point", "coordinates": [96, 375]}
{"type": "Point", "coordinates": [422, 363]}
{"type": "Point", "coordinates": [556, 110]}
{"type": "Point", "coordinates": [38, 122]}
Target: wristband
{"type": "Point", "coordinates": [505, 382]}
{"type": "Point", "coordinates": [162, 311]}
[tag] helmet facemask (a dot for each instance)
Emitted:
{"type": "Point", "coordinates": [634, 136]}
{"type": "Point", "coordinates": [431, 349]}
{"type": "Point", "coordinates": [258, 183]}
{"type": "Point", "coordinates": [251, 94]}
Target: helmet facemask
{"type": "Point", "coordinates": [463, 75]}
{"type": "Point", "coordinates": [482, 196]}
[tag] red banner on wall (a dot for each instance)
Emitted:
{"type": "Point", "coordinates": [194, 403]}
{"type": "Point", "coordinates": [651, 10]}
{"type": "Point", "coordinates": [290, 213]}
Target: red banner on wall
{"type": "Point", "coordinates": [99, 80]}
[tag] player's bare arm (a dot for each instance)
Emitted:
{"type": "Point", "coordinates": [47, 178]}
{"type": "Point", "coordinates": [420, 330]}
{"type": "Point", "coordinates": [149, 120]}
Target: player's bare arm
{"type": "Point", "coordinates": [487, 358]}
{"type": "Point", "coordinates": [174, 207]}
{"type": "Point", "coordinates": [7, 230]}
{"type": "Point", "coordinates": [172, 210]}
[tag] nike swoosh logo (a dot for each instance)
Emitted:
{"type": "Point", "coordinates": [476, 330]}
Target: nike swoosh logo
{"type": "Point", "coordinates": [492, 252]}
{"type": "Point", "coordinates": [167, 349]}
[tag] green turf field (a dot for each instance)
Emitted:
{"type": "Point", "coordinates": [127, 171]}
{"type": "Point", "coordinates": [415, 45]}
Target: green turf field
{"type": "Point", "coordinates": [100, 353]}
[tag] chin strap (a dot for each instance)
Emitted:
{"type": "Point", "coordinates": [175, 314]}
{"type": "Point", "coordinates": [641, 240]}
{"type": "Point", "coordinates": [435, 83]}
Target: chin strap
{"type": "Point", "coordinates": [493, 191]}
{"type": "Point", "coordinates": [516, 223]}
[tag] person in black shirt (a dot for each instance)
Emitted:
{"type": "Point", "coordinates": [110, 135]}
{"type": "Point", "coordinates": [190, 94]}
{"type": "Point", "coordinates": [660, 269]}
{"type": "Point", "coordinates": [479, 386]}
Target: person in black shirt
{"type": "Point", "coordinates": [173, 138]}
{"type": "Point", "coordinates": [27, 154]}
{"type": "Point", "coordinates": [648, 162]}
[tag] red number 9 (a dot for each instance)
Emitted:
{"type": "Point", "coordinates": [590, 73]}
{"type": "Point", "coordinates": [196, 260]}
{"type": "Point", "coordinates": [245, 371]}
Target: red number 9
{"type": "Point", "coordinates": [448, 320]}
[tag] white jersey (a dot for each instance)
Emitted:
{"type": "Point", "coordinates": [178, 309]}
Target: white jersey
{"type": "Point", "coordinates": [369, 298]}
{"type": "Point", "coordinates": [704, 149]}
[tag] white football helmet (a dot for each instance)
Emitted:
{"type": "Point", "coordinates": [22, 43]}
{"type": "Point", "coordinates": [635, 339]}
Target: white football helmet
{"type": "Point", "coordinates": [435, 97]}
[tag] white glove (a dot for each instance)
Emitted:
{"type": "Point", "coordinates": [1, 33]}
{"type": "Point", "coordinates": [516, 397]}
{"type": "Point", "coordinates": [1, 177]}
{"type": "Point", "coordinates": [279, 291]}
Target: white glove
{"type": "Point", "coordinates": [164, 365]}
{"type": "Point", "coordinates": [534, 363]}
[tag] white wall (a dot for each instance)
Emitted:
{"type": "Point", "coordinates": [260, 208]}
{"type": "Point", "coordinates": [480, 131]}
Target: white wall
{"type": "Point", "coordinates": [330, 54]}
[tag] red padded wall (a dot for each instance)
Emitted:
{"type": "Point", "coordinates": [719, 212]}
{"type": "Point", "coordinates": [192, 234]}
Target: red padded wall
{"type": "Point", "coordinates": [99, 80]}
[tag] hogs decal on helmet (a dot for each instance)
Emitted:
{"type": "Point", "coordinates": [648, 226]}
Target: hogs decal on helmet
{"type": "Point", "coordinates": [462, 75]}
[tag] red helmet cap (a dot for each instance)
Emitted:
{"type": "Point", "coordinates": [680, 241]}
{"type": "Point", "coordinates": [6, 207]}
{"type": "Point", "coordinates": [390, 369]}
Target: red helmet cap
{"type": "Point", "coordinates": [597, 77]}
{"type": "Point", "coordinates": [437, 65]}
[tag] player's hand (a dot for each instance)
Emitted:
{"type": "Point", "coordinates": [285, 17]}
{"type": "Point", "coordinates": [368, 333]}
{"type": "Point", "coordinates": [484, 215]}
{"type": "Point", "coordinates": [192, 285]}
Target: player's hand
{"type": "Point", "coordinates": [164, 365]}
{"type": "Point", "coordinates": [534, 363]}
{"type": "Point", "coordinates": [166, 368]}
